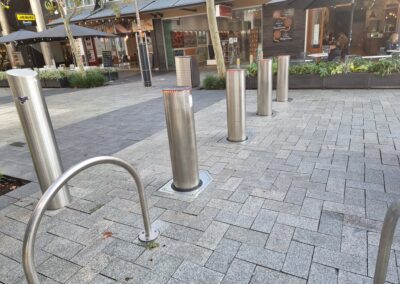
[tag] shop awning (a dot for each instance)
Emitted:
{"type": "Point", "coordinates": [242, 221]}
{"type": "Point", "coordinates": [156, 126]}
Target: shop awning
{"type": "Point", "coordinates": [59, 32]}
{"type": "Point", "coordinates": [326, 3]}
{"type": "Point", "coordinates": [18, 36]}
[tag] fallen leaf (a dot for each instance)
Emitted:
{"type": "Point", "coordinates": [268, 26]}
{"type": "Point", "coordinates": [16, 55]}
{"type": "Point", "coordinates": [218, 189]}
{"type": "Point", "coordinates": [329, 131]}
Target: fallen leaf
{"type": "Point", "coordinates": [107, 234]}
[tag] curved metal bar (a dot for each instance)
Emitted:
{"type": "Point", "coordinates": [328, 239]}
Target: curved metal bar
{"type": "Point", "coordinates": [34, 222]}
{"type": "Point", "coordinates": [385, 243]}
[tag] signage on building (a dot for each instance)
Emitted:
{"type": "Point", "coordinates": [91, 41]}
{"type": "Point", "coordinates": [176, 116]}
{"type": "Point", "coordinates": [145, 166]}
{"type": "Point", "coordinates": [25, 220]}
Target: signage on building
{"type": "Point", "coordinates": [25, 19]}
{"type": "Point", "coordinates": [283, 25]}
{"type": "Point", "coordinates": [223, 11]}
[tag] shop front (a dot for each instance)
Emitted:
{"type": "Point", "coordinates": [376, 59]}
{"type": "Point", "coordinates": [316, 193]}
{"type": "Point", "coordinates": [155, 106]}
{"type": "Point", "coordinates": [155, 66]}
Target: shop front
{"type": "Point", "coordinates": [355, 27]}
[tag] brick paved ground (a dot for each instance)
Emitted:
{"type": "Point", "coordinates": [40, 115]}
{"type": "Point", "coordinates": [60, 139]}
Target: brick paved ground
{"type": "Point", "coordinates": [302, 201]}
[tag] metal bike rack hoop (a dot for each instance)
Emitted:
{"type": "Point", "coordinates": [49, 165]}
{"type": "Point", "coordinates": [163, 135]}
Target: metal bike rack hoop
{"type": "Point", "coordinates": [385, 243]}
{"type": "Point", "coordinates": [28, 249]}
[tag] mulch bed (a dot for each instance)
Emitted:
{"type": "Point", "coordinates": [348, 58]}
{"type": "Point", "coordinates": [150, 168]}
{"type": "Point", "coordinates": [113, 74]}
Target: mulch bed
{"type": "Point", "coordinates": [8, 183]}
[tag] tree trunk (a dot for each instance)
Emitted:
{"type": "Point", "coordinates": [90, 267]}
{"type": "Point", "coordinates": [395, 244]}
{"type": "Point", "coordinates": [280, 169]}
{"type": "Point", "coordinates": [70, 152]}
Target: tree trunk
{"type": "Point", "coordinates": [72, 43]}
{"type": "Point", "coordinates": [214, 34]}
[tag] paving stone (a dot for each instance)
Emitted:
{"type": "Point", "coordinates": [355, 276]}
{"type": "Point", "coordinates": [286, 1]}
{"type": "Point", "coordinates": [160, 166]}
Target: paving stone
{"type": "Point", "coordinates": [235, 219]}
{"type": "Point", "coordinates": [295, 195]}
{"type": "Point", "coordinates": [219, 262]}
{"type": "Point", "coordinates": [58, 269]}
{"type": "Point", "coordinates": [240, 272]}
{"type": "Point", "coordinates": [213, 235]}
{"type": "Point", "coordinates": [225, 205]}
{"type": "Point", "coordinates": [298, 221]}
{"type": "Point", "coordinates": [86, 255]}
{"type": "Point", "coordinates": [336, 185]}
{"type": "Point", "coordinates": [124, 250]}
{"type": "Point", "coordinates": [63, 248]}
{"type": "Point", "coordinates": [188, 251]}
{"type": "Point", "coordinates": [344, 209]}
{"type": "Point", "coordinates": [259, 256]}
{"type": "Point", "coordinates": [311, 208]}
{"type": "Point", "coordinates": [317, 239]}
{"type": "Point", "coordinates": [100, 279]}
{"type": "Point", "coordinates": [298, 259]}
{"type": "Point", "coordinates": [339, 260]}
{"type": "Point", "coordinates": [346, 277]}
{"type": "Point", "coordinates": [68, 231]}
{"type": "Point", "coordinates": [375, 209]}
{"type": "Point", "coordinates": [264, 221]}
{"type": "Point", "coordinates": [10, 270]}
{"type": "Point", "coordinates": [246, 236]}
{"type": "Point", "coordinates": [182, 233]}
{"type": "Point", "coordinates": [280, 238]}
{"type": "Point", "coordinates": [265, 275]}
{"type": "Point", "coordinates": [392, 275]}
{"type": "Point", "coordinates": [282, 207]}
{"type": "Point", "coordinates": [125, 271]}
{"type": "Point", "coordinates": [331, 223]}
{"type": "Point", "coordinates": [193, 273]}
{"type": "Point", "coordinates": [354, 241]}
{"type": "Point", "coordinates": [252, 206]}
{"type": "Point", "coordinates": [322, 274]}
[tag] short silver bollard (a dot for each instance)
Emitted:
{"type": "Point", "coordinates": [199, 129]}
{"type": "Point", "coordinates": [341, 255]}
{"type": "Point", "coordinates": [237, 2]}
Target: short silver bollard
{"type": "Point", "coordinates": [236, 104]}
{"type": "Point", "coordinates": [264, 87]}
{"type": "Point", "coordinates": [282, 86]}
{"type": "Point", "coordinates": [39, 133]}
{"type": "Point", "coordinates": [178, 105]}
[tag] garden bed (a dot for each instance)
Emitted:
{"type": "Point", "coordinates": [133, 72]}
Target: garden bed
{"type": "Point", "coordinates": [8, 184]}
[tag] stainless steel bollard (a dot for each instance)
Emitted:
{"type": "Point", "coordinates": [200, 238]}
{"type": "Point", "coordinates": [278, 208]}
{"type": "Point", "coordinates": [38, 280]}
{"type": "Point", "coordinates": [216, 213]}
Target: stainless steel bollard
{"type": "Point", "coordinates": [36, 123]}
{"type": "Point", "coordinates": [264, 87]}
{"type": "Point", "coordinates": [236, 104]}
{"type": "Point", "coordinates": [178, 105]}
{"type": "Point", "coordinates": [282, 86]}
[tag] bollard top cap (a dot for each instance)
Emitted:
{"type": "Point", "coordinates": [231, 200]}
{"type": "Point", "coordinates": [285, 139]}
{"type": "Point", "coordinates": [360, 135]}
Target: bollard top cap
{"type": "Point", "coordinates": [25, 73]}
{"type": "Point", "coordinates": [174, 90]}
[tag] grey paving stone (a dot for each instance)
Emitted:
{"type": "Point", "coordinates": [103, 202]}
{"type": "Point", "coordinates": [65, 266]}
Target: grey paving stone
{"type": "Point", "coordinates": [235, 219]}
{"type": "Point", "coordinates": [219, 262]}
{"type": "Point", "coordinates": [298, 259]}
{"type": "Point", "coordinates": [246, 236]}
{"type": "Point", "coordinates": [68, 231]}
{"type": "Point", "coordinates": [317, 239]}
{"type": "Point", "coordinates": [354, 241]}
{"type": "Point", "coordinates": [282, 207]}
{"type": "Point", "coordinates": [346, 277]}
{"type": "Point", "coordinates": [295, 195]}
{"type": "Point", "coordinates": [188, 251]}
{"type": "Point", "coordinates": [280, 238]}
{"type": "Point", "coordinates": [322, 274]}
{"type": "Point", "coordinates": [240, 272]}
{"type": "Point", "coordinates": [86, 255]}
{"type": "Point", "coordinates": [100, 279]}
{"type": "Point", "coordinates": [265, 275]}
{"type": "Point", "coordinates": [225, 205]}
{"type": "Point", "coordinates": [10, 270]}
{"type": "Point", "coordinates": [212, 236]}
{"type": "Point", "coordinates": [63, 248]}
{"type": "Point", "coordinates": [124, 250]}
{"type": "Point", "coordinates": [339, 260]}
{"type": "Point", "coordinates": [298, 221]}
{"type": "Point", "coordinates": [182, 233]}
{"type": "Point", "coordinates": [392, 272]}
{"type": "Point", "coordinates": [58, 269]}
{"type": "Point", "coordinates": [311, 208]}
{"type": "Point", "coordinates": [331, 223]}
{"type": "Point", "coordinates": [193, 273]}
{"type": "Point", "coordinates": [125, 271]}
{"type": "Point", "coordinates": [263, 257]}
{"type": "Point", "coordinates": [265, 221]}
{"type": "Point", "coordinates": [344, 209]}
{"type": "Point", "coordinates": [252, 206]}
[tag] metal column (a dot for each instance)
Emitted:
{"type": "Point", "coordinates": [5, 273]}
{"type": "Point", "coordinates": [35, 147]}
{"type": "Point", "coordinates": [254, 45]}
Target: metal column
{"type": "Point", "coordinates": [236, 104]}
{"type": "Point", "coordinates": [5, 28]}
{"type": "Point", "coordinates": [264, 87]}
{"type": "Point", "coordinates": [36, 123]}
{"type": "Point", "coordinates": [178, 105]}
{"type": "Point", "coordinates": [282, 86]}
{"type": "Point", "coordinates": [41, 26]}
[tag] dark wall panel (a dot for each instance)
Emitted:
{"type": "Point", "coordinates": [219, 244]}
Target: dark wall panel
{"type": "Point", "coordinates": [293, 47]}
{"type": "Point", "coordinates": [159, 46]}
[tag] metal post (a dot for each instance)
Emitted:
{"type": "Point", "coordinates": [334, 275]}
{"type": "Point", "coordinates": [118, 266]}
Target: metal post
{"type": "Point", "coordinates": [282, 86]}
{"type": "Point", "coordinates": [178, 105]}
{"type": "Point", "coordinates": [36, 123]}
{"type": "Point", "coordinates": [264, 87]}
{"type": "Point", "coordinates": [142, 51]}
{"type": "Point", "coordinates": [236, 104]}
{"type": "Point", "coordinates": [385, 243]}
{"type": "Point", "coordinates": [41, 26]}
{"type": "Point", "coordinates": [5, 28]}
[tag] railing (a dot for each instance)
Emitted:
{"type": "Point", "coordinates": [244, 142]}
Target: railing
{"type": "Point", "coordinates": [385, 243]}
{"type": "Point", "coordinates": [30, 235]}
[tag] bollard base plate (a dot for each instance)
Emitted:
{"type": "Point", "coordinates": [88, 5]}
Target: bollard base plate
{"type": "Point", "coordinates": [153, 236]}
{"type": "Point", "coordinates": [288, 100]}
{"type": "Point", "coordinates": [168, 188]}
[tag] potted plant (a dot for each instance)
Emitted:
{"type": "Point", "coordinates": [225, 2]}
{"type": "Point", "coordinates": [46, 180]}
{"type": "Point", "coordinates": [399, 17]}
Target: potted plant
{"type": "Point", "coordinates": [251, 76]}
{"type": "Point", "coordinates": [385, 74]}
{"type": "Point", "coordinates": [53, 79]}
{"type": "Point", "coordinates": [305, 76]}
{"type": "Point", "coordinates": [3, 80]}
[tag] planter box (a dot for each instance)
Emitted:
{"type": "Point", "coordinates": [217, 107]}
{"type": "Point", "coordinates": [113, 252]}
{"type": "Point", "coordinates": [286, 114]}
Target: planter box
{"type": "Point", "coordinates": [114, 75]}
{"type": "Point", "coordinates": [386, 82]}
{"type": "Point", "coordinates": [306, 81]}
{"type": "Point", "coordinates": [347, 81]}
{"type": "Point", "coordinates": [251, 82]}
{"type": "Point", "coordinates": [4, 83]}
{"type": "Point", "coordinates": [56, 83]}
{"type": "Point", "coordinates": [43, 83]}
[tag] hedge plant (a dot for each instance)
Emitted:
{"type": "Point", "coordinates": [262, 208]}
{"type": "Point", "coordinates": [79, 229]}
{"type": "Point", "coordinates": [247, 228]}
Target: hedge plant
{"type": "Point", "coordinates": [213, 82]}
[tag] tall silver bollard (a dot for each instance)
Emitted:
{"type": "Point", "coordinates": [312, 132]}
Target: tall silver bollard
{"type": "Point", "coordinates": [282, 86]}
{"type": "Point", "coordinates": [178, 105]}
{"type": "Point", "coordinates": [264, 87]}
{"type": "Point", "coordinates": [236, 104]}
{"type": "Point", "coordinates": [36, 123]}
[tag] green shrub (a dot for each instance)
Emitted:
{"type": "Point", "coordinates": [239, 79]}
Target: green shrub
{"type": "Point", "coordinates": [252, 70]}
{"type": "Point", "coordinates": [385, 67]}
{"type": "Point", "coordinates": [213, 82]}
{"type": "Point", "coordinates": [51, 74]}
{"type": "Point", "coordinates": [3, 76]}
{"type": "Point", "coordinates": [90, 79]}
